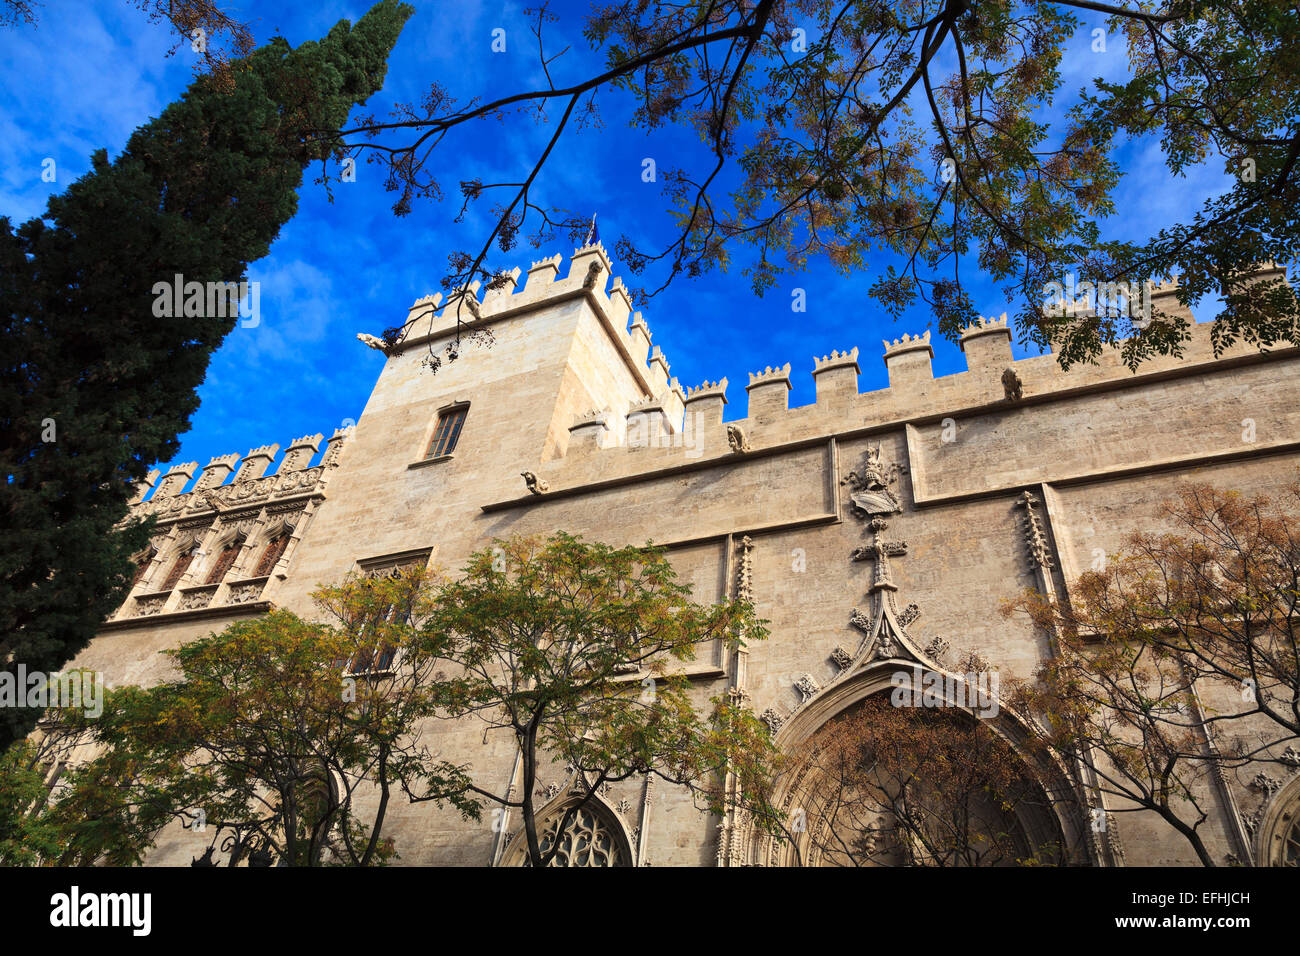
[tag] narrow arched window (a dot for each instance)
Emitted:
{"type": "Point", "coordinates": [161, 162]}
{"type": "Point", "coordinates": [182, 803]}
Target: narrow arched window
{"type": "Point", "coordinates": [225, 561]}
{"type": "Point", "coordinates": [142, 566]}
{"type": "Point", "coordinates": [272, 553]}
{"type": "Point", "coordinates": [447, 433]}
{"type": "Point", "coordinates": [179, 567]}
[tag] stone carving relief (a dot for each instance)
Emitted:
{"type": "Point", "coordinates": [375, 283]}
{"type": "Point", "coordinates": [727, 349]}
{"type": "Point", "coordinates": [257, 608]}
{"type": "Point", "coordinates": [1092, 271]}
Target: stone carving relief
{"type": "Point", "coordinates": [1012, 388]}
{"type": "Point", "coordinates": [193, 600]}
{"type": "Point", "coordinates": [244, 593]}
{"type": "Point", "coordinates": [807, 687]}
{"type": "Point", "coordinates": [150, 605]}
{"type": "Point", "coordinates": [1040, 555]}
{"type": "Point", "coordinates": [773, 719]}
{"type": "Point", "coordinates": [736, 439]}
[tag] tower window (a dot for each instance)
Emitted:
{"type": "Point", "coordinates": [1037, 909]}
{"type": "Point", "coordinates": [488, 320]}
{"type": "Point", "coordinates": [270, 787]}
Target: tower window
{"type": "Point", "coordinates": [447, 432]}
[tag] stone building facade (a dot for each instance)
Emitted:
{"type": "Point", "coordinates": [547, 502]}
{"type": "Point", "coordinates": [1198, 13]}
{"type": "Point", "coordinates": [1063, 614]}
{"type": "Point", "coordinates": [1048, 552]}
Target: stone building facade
{"type": "Point", "coordinates": [870, 529]}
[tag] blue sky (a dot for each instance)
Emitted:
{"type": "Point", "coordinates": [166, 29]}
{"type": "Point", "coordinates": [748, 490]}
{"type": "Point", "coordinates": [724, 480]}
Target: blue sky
{"type": "Point", "coordinates": [88, 74]}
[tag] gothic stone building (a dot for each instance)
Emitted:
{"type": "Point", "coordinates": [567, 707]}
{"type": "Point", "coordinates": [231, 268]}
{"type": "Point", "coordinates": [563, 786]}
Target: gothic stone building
{"type": "Point", "coordinates": [870, 529]}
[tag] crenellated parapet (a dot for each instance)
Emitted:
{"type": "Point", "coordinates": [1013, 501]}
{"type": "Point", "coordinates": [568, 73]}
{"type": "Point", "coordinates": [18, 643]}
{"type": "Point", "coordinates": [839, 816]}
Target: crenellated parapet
{"type": "Point", "coordinates": [589, 276]}
{"type": "Point", "coordinates": [647, 404]}
{"type": "Point", "coordinates": [992, 376]}
{"type": "Point", "coordinates": [250, 483]}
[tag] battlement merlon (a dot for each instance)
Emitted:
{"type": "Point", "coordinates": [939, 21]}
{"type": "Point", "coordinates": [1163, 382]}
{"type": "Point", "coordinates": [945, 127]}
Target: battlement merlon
{"type": "Point", "coordinates": [836, 376]}
{"type": "Point", "coordinates": [1265, 272]}
{"type": "Point", "coordinates": [620, 303]}
{"type": "Point", "coordinates": [424, 307]}
{"type": "Point", "coordinates": [660, 372]}
{"type": "Point", "coordinates": [909, 361]}
{"type": "Point", "coordinates": [503, 285]}
{"type": "Point", "coordinates": [256, 462]}
{"type": "Point", "coordinates": [144, 486]}
{"type": "Point", "coordinates": [1164, 301]}
{"type": "Point", "coordinates": [639, 339]}
{"type": "Point", "coordinates": [217, 471]}
{"type": "Point", "coordinates": [648, 420]}
{"type": "Point", "coordinates": [334, 450]}
{"type": "Point", "coordinates": [300, 452]}
{"type": "Point", "coordinates": [703, 404]}
{"type": "Point", "coordinates": [177, 478]}
{"type": "Point", "coordinates": [587, 433]}
{"type": "Point", "coordinates": [987, 343]}
{"type": "Point", "coordinates": [769, 391]}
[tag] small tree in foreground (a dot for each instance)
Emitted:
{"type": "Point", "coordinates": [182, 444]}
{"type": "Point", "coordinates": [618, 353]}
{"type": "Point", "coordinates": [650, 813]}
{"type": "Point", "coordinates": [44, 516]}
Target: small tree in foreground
{"type": "Point", "coordinates": [1181, 654]}
{"type": "Point", "coordinates": [1124, 709]}
{"type": "Point", "coordinates": [573, 647]}
{"type": "Point", "coordinates": [280, 736]}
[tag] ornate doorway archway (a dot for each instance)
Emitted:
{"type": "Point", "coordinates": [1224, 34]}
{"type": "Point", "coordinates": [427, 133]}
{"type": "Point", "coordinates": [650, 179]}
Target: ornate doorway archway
{"type": "Point", "coordinates": [1049, 817]}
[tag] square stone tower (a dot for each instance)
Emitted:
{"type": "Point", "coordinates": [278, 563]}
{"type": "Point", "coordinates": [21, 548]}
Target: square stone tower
{"type": "Point", "coordinates": [528, 364]}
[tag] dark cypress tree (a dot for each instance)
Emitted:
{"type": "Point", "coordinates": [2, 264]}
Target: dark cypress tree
{"type": "Point", "coordinates": [201, 191]}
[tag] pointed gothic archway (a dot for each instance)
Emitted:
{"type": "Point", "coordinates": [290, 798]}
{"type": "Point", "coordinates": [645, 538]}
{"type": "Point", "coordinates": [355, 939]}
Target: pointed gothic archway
{"type": "Point", "coordinates": [886, 660]}
{"type": "Point", "coordinates": [1058, 818]}
{"type": "Point", "coordinates": [596, 837]}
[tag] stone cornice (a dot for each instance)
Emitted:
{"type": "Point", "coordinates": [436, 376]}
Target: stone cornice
{"type": "Point", "coordinates": [197, 614]}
